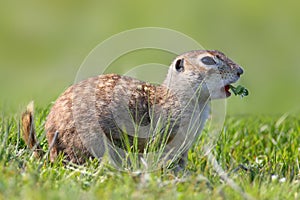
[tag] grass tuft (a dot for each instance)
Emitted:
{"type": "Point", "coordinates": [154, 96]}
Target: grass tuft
{"type": "Point", "coordinates": [260, 154]}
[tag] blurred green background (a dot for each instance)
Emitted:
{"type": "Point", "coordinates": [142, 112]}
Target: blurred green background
{"type": "Point", "coordinates": [43, 43]}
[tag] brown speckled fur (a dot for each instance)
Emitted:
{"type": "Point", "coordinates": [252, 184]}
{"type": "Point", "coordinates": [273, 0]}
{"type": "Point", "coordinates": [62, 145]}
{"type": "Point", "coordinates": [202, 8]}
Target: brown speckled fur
{"type": "Point", "coordinates": [60, 118]}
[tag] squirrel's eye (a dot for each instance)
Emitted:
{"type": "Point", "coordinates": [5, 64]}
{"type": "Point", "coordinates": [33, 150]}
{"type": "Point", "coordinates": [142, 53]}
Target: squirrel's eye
{"type": "Point", "coordinates": [208, 60]}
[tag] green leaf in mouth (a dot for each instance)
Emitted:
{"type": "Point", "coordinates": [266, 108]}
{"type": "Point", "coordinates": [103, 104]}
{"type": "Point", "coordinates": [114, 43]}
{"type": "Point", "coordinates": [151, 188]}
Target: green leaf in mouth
{"type": "Point", "coordinates": [239, 90]}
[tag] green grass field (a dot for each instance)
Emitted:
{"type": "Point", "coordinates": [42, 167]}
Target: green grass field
{"type": "Point", "coordinates": [259, 154]}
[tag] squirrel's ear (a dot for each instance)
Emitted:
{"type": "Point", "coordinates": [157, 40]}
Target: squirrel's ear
{"type": "Point", "coordinates": [179, 65]}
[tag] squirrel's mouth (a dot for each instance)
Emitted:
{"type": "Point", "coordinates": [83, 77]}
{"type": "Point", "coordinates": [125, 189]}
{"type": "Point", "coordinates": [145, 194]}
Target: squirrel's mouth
{"type": "Point", "coordinates": [226, 89]}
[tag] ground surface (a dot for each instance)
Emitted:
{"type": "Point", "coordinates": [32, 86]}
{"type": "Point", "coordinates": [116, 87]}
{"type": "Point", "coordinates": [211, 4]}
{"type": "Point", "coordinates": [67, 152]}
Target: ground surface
{"type": "Point", "coordinates": [259, 154]}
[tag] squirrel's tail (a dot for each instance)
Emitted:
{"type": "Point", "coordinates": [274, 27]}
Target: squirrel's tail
{"type": "Point", "coordinates": [28, 130]}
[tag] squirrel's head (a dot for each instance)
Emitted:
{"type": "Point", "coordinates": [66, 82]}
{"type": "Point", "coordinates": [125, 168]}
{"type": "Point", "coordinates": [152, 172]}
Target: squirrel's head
{"type": "Point", "coordinates": [208, 70]}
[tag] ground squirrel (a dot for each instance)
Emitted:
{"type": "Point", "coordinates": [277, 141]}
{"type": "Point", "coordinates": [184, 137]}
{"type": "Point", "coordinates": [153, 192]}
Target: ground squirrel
{"type": "Point", "coordinates": [103, 107]}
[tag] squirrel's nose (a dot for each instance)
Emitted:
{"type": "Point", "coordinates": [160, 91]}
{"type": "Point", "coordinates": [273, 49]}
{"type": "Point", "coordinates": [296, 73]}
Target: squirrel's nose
{"type": "Point", "coordinates": [240, 71]}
